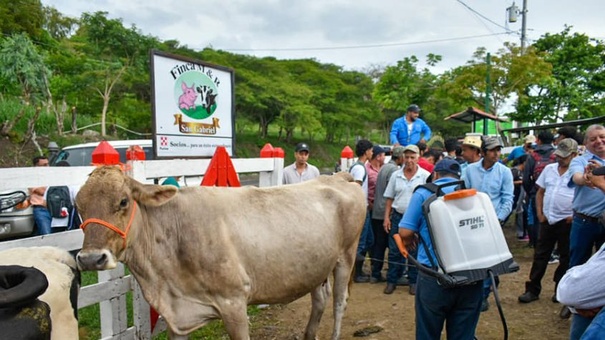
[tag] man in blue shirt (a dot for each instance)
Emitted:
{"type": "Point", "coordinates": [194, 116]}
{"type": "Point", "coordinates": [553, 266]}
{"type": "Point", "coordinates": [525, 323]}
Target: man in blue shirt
{"type": "Point", "coordinates": [496, 180]}
{"type": "Point", "coordinates": [588, 204]}
{"type": "Point", "coordinates": [410, 129]}
{"type": "Point", "coordinates": [493, 178]}
{"type": "Point", "coordinates": [521, 150]}
{"type": "Point", "coordinates": [458, 307]}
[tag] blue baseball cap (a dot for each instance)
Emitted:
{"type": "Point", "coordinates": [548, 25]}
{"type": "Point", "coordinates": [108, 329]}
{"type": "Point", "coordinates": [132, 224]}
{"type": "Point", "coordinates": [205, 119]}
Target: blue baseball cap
{"type": "Point", "coordinates": [448, 165]}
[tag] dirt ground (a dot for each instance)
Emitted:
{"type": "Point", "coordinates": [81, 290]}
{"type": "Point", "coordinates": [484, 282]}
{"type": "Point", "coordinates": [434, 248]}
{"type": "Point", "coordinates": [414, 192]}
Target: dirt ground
{"type": "Point", "coordinates": [394, 314]}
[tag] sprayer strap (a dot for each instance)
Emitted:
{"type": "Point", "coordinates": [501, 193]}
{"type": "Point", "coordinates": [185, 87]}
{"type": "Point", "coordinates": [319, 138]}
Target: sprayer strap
{"type": "Point", "coordinates": [428, 253]}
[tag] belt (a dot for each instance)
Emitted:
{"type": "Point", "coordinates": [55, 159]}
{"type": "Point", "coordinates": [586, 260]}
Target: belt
{"type": "Point", "coordinates": [586, 217]}
{"type": "Point", "coordinates": [39, 206]}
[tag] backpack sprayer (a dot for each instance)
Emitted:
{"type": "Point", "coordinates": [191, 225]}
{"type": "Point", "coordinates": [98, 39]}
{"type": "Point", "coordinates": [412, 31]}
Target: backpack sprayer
{"type": "Point", "coordinates": [467, 239]}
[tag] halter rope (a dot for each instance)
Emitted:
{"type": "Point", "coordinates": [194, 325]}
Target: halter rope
{"type": "Point", "coordinates": [123, 234]}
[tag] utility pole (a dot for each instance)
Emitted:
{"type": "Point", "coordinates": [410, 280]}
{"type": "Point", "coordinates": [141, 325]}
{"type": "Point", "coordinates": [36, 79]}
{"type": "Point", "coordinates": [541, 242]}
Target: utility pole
{"type": "Point", "coordinates": [513, 12]}
{"type": "Point", "coordinates": [523, 25]}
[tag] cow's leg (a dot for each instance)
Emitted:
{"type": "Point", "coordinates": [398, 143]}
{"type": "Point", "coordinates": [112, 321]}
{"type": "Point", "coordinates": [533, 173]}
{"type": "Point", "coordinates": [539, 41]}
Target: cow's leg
{"type": "Point", "coordinates": [342, 277]}
{"type": "Point", "coordinates": [319, 297]}
{"type": "Point", "coordinates": [235, 317]}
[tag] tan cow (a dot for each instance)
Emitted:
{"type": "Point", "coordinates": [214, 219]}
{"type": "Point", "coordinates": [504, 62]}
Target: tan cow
{"type": "Point", "coordinates": [203, 253]}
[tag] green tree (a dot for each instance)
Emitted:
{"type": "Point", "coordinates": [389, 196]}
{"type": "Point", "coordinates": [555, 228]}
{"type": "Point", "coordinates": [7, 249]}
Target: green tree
{"type": "Point", "coordinates": [23, 66]}
{"type": "Point", "coordinates": [112, 51]}
{"type": "Point", "coordinates": [577, 86]}
{"type": "Point", "coordinates": [23, 16]}
{"type": "Point", "coordinates": [260, 97]}
{"type": "Point", "coordinates": [510, 73]}
{"type": "Point", "coordinates": [57, 25]}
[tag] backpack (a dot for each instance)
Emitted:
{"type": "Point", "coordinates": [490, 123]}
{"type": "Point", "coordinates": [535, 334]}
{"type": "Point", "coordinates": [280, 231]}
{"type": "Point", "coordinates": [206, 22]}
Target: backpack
{"type": "Point", "coordinates": [449, 235]}
{"type": "Point", "coordinates": [57, 199]}
{"type": "Point", "coordinates": [540, 162]}
{"type": "Point", "coordinates": [365, 173]}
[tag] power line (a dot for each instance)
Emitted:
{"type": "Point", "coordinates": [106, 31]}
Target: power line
{"type": "Point", "coordinates": [484, 17]}
{"type": "Point", "coordinates": [362, 46]}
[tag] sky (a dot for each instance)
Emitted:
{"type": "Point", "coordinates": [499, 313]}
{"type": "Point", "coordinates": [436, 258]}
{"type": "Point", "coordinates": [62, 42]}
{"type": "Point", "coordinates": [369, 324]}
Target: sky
{"type": "Point", "coordinates": [355, 35]}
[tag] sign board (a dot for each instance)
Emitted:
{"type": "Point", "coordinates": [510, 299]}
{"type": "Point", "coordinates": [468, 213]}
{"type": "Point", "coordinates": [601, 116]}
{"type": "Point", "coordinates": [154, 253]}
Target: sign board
{"type": "Point", "coordinates": [193, 107]}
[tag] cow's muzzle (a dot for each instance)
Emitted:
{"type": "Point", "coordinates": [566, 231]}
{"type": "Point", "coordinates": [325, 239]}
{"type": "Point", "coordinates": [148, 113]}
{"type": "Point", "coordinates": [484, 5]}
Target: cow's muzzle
{"type": "Point", "coordinates": [96, 260]}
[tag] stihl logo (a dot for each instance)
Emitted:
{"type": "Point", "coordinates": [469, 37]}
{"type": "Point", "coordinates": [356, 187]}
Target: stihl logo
{"type": "Point", "coordinates": [473, 222]}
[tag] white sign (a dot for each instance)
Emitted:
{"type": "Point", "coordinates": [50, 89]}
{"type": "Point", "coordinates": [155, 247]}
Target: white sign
{"type": "Point", "coordinates": [193, 107]}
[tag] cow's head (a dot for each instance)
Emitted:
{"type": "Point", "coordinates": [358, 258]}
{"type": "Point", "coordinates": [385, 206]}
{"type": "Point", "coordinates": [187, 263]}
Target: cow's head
{"type": "Point", "coordinates": [108, 205]}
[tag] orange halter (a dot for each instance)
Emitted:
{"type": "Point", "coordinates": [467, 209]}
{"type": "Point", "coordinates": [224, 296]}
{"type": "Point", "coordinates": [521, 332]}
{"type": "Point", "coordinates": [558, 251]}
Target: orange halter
{"type": "Point", "coordinates": [123, 234]}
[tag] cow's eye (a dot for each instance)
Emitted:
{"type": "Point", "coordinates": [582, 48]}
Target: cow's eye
{"type": "Point", "coordinates": [124, 203]}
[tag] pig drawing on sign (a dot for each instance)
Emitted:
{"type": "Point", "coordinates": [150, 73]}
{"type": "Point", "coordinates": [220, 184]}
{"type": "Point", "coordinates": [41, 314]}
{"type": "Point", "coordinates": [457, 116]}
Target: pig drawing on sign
{"type": "Point", "coordinates": [208, 99]}
{"type": "Point", "coordinates": [187, 99]}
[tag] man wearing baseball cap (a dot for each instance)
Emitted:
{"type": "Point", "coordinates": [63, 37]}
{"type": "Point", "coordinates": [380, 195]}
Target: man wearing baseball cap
{"type": "Point", "coordinates": [496, 180]}
{"type": "Point", "coordinates": [554, 211]}
{"type": "Point", "coordinates": [397, 194]}
{"type": "Point", "coordinates": [519, 151]}
{"type": "Point", "coordinates": [381, 237]}
{"type": "Point", "coordinates": [300, 170]}
{"type": "Point", "coordinates": [459, 307]}
{"type": "Point", "coordinates": [410, 129]}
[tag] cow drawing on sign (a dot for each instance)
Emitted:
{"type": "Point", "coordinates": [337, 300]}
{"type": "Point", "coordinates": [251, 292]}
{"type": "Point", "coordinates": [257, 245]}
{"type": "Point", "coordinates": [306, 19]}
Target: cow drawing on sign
{"type": "Point", "coordinates": [187, 99]}
{"type": "Point", "coordinates": [195, 265]}
{"type": "Point", "coordinates": [208, 98]}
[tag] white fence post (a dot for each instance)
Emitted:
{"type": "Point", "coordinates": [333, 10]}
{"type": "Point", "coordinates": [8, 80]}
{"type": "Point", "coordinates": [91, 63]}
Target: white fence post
{"type": "Point", "coordinates": [142, 314]}
{"type": "Point", "coordinates": [346, 158]}
{"type": "Point", "coordinates": [114, 317]}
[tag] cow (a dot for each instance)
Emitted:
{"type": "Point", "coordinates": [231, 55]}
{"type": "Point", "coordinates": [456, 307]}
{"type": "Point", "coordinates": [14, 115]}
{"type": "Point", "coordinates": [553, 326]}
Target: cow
{"type": "Point", "coordinates": [208, 98]}
{"type": "Point", "coordinates": [204, 253]}
{"type": "Point", "coordinates": [61, 271]}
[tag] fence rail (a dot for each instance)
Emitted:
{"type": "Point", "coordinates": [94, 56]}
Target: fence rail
{"type": "Point", "coordinates": [110, 291]}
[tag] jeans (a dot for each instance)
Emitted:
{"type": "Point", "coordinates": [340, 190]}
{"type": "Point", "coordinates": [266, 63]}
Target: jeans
{"type": "Point", "coordinates": [579, 324]}
{"type": "Point", "coordinates": [550, 235]}
{"type": "Point", "coordinates": [584, 235]}
{"type": "Point", "coordinates": [43, 220]}
{"type": "Point", "coordinates": [459, 308]}
{"type": "Point", "coordinates": [596, 329]}
{"type": "Point", "coordinates": [487, 286]}
{"type": "Point", "coordinates": [381, 242]}
{"type": "Point", "coordinates": [396, 261]}
{"type": "Point", "coordinates": [521, 223]}
{"type": "Point", "coordinates": [366, 239]}
{"type": "Point", "coordinates": [532, 220]}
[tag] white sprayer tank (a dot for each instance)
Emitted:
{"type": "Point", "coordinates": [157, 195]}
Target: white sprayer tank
{"type": "Point", "coordinates": [467, 236]}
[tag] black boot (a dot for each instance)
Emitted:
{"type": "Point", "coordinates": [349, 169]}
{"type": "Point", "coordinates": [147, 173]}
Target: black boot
{"type": "Point", "coordinates": [359, 276]}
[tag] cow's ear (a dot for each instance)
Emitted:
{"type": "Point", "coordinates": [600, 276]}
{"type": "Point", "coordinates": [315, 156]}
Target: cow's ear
{"type": "Point", "coordinates": [153, 195]}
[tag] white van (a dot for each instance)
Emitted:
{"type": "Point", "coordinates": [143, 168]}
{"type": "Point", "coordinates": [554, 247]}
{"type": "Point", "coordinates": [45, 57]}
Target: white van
{"type": "Point", "coordinates": [81, 154]}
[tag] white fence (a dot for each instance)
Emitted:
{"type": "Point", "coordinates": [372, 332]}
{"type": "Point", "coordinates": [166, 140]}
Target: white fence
{"type": "Point", "coordinates": [113, 285]}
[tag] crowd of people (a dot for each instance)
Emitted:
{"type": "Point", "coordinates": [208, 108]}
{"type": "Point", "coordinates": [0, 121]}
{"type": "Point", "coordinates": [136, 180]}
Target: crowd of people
{"type": "Point", "coordinates": [546, 185]}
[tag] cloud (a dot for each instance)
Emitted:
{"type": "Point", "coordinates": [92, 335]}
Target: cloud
{"type": "Point", "coordinates": [351, 34]}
